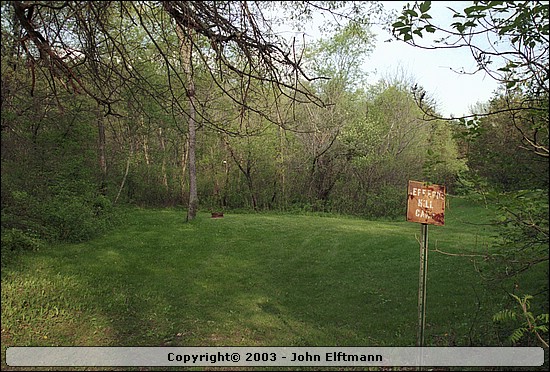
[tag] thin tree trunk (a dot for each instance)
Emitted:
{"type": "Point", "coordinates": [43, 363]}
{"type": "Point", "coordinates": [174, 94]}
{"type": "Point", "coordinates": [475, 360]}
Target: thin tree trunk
{"type": "Point", "coordinates": [130, 154]}
{"type": "Point", "coordinates": [146, 151]}
{"type": "Point", "coordinates": [101, 150]}
{"type": "Point", "coordinates": [186, 52]}
{"type": "Point", "coordinates": [193, 197]}
{"type": "Point", "coordinates": [247, 172]}
{"type": "Point", "coordinates": [184, 155]}
{"type": "Point", "coordinates": [163, 169]}
{"type": "Point", "coordinates": [281, 163]}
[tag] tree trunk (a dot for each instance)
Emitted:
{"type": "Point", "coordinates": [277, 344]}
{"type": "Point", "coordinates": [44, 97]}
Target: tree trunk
{"type": "Point", "coordinates": [184, 155]}
{"type": "Point", "coordinates": [163, 169]}
{"type": "Point", "coordinates": [101, 151]}
{"type": "Point", "coordinates": [193, 197]}
{"type": "Point", "coordinates": [247, 172]}
{"type": "Point", "coordinates": [130, 155]}
{"type": "Point", "coordinates": [186, 53]}
{"type": "Point", "coordinates": [146, 152]}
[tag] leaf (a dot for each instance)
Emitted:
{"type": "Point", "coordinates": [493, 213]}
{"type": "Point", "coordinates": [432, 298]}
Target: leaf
{"type": "Point", "coordinates": [425, 6]}
{"type": "Point", "coordinates": [459, 26]}
{"type": "Point", "coordinates": [517, 334]}
{"type": "Point", "coordinates": [504, 315]}
{"type": "Point", "coordinates": [405, 30]}
{"type": "Point", "coordinates": [472, 9]}
{"type": "Point", "coordinates": [411, 13]}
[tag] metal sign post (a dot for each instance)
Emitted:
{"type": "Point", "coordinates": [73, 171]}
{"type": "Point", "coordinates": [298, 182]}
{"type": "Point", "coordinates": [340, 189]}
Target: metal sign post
{"type": "Point", "coordinates": [422, 284]}
{"type": "Point", "coordinates": [425, 205]}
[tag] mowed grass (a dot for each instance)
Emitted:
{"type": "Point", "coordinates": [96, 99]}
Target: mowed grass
{"type": "Point", "coordinates": [254, 280]}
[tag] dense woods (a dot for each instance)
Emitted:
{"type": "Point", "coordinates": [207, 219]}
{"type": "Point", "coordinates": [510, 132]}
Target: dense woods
{"type": "Point", "coordinates": [204, 105]}
{"type": "Point", "coordinates": [99, 116]}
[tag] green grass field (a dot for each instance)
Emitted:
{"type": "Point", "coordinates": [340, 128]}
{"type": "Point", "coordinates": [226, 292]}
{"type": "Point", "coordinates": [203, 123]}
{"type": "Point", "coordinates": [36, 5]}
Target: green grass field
{"type": "Point", "coordinates": [256, 280]}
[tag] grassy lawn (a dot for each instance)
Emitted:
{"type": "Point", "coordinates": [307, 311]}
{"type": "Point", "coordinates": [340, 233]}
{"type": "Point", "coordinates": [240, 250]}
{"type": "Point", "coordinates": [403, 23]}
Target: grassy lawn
{"type": "Point", "coordinates": [255, 280]}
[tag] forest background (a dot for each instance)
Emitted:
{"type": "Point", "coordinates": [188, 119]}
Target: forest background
{"type": "Point", "coordinates": [201, 104]}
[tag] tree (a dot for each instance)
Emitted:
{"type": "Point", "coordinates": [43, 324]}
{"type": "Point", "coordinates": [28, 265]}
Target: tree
{"type": "Point", "coordinates": [224, 38]}
{"type": "Point", "coordinates": [509, 41]}
{"type": "Point", "coordinates": [494, 154]}
{"type": "Point", "coordinates": [339, 58]}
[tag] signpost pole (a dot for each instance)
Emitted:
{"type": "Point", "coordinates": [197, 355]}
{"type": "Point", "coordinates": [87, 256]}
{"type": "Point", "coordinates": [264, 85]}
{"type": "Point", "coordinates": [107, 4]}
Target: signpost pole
{"type": "Point", "coordinates": [422, 287]}
{"type": "Point", "coordinates": [426, 205]}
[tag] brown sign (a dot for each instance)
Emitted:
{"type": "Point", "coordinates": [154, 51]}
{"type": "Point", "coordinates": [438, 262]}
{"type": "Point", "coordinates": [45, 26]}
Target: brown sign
{"type": "Point", "coordinates": [426, 203]}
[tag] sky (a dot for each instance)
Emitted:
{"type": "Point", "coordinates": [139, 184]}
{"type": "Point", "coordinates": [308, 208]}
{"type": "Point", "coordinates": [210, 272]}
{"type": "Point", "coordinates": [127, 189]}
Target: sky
{"type": "Point", "coordinates": [453, 93]}
{"type": "Point", "coordinates": [432, 69]}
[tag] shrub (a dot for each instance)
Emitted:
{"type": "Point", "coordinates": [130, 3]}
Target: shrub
{"type": "Point", "coordinates": [60, 216]}
{"type": "Point", "coordinates": [388, 202]}
{"type": "Point", "coordinates": [15, 241]}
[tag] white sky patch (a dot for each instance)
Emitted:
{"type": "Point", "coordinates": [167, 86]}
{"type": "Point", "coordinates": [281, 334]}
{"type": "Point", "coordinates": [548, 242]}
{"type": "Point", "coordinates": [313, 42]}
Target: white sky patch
{"type": "Point", "coordinates": [434, 70]}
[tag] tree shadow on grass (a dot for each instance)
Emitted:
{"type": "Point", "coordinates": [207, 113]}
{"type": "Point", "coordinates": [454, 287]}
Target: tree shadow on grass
{"type": "Point", "coordinates": [238, 281]}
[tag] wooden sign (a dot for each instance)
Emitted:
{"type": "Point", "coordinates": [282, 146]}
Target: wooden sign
{"type": "Point", "coordinates": [426, 203]}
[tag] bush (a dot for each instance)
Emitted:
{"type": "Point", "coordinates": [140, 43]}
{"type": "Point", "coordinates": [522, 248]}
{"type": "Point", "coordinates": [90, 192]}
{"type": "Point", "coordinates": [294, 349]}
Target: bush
{"type": "Point", "coordinates": [63, 216]}
{"type": "Point", "coordinates": [15, 241]}
{"type": "Point", "coordinates": [387, 202]}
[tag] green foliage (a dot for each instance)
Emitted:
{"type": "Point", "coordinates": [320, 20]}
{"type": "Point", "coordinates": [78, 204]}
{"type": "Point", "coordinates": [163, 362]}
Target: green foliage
{"type": "Point", "coordinates": [528, 322]}
{"type": "Point", "coordinates": [71, 217]}
{"type": "Point", "coordinates": [495, 147]}
{"type": "Point", "coordinates": [62, 216]}
{"type": "Point", "coordinates": [15, 241]}
{"type": "Point", "coordinates": [389, 202]}
{"type": "Point", "coordinates": [524, 230]}
{"type": "Point", "coordinates": [339, 57]}
{"type": "Point", "coordinates": [470, 183]}
{"type": "Point", "coordinates": [443, 163]}
{"type": "Point", "coordinates": [518, 34]}
{"type": "Point", "coordinates": [405, 22]}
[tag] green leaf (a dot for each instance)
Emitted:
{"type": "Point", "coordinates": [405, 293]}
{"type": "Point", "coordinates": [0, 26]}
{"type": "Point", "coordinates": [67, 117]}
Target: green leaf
{"type": "Point", "coordinates": [425, 6]}
{"type": "Point", "coordinates": [473, 9]}
{"type": "Point", "coordinates": [504, 315]}
{"type": "Point", "coordinates": [411, 13]}
{"type": "Point", "coordinates": [405, 30]}
{"type": "Point", "coordinates": [517, 334]}
{"type": "Point", "coordinates": [459, 26]}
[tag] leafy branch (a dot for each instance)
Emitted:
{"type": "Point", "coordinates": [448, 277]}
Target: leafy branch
{"type": "Point", "coordinates": [529, 323]}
